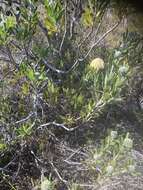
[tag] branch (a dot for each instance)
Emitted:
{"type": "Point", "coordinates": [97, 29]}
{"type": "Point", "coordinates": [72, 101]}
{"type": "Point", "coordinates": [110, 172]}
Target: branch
{"type": "Point", "coordinates": [11, 57]}
{"type": "Point", "coordinates": [44, 30]}
{"type": "Point", "coordinates": [78, 60]}
{"type": "Point", "coordinates": [58, 125]}
{"type": "Point", "coordinates": [52, 67]}
{"type": "Point", "coordinates": [87, 36]}
{"type": "Point", "coordinates": [59, 176]}
{"type": "Point", "coordinates": [64, 35]}
{"type": "Point", "coordinates": [94, 45]}
{"type": "Point", "coordinates": [99, 40]}
{"type": "Point", "coordinates": [25, 119]}
{"type": "Point", "coordinates": [5, 59]}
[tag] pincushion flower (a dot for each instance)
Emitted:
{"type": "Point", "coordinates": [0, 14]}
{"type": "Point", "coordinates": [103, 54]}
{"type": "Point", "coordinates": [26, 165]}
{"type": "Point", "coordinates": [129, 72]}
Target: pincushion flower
{"type": "Point", "coordinates": [97, 64]}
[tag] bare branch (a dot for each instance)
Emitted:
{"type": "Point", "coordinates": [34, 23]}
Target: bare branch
{"type": "Point", "coordinates": [78, 60]}
{"type": "Point", "coordinates": [85, 38]}
{"type": "Point", "coordinates": [25, 119]}
{"type": "Point", "coordinates": [58, 125]}
{"type": "Point", "coordinates": [95, 34]}
{"type": "Point", "coordinates": [52, 67]}
{"type": "Point", "coordinates": [75, 152]}
{"type": "Point", "coordinates": [65, 31]}
{"type": "Point", "coordinates": [11, 56]}
{"type": "Point", "coordinates": [59, 176]}
{"type": "Point", "coordinates": [99, 40]}
{"type": "Point", "coordinates": [72, 163]}
{"type": "Point", "coordinates": [5, 59]}
{"type": "Point", "coordinates": [44, 30]}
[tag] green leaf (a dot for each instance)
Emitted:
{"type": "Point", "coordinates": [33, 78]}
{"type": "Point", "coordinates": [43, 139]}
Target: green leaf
{"type": "Point", "coordinates": [51, 25]}
{"type": "Point", "coordinates": [3, 35]}
{"type": "Point", "coordinates": [30, 74]}
{"type": "Point", "coordinates": [10, 22]}
{"type": "Point", "coordinates": [24, 130]}
{"type": "Point", "coordinates": [2, 146]}
{"type": "Point", "coordinates": [25, 88]}
{"type": "Point", "coordinates": [87, 17]}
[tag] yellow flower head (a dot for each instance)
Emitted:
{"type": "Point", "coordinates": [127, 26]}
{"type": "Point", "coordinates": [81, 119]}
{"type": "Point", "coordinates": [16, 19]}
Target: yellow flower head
{"type": "Point", "coordinates": [97, 64]}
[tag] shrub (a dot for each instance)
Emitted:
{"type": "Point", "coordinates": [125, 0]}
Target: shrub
{"type": "Point", "coordinates": [113, 157]}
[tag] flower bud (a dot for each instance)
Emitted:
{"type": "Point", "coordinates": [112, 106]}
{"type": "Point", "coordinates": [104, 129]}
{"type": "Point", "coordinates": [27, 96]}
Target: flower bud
{"type": "Point", "coordinates": [117, 54]}
{"type": "Point", "coordinates": [114, 134]}
{"type": "Point", "coordinates": [128, 143]}
{"type": "Point", "coordinates": [109, 170]}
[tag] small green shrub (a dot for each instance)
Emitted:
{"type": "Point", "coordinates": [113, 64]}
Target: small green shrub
{"type": "Point", "coordinates": [47, 184]}
{"type": "Point", "coordinates": [112, 157]}
{"type": "Point", "coordinates": [24, 130]}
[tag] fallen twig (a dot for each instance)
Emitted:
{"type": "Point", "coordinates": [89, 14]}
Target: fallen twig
{"type": "Point", "coordinates": [59, 176]}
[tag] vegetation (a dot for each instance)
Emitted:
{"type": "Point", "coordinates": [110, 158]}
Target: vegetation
{"type": "Point", "coordinates": [59, 78]}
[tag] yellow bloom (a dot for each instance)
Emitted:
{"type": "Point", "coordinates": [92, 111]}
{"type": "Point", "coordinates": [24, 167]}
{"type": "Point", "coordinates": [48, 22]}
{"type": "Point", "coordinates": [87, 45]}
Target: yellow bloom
{"type": "Point", "coordinates": [97, 64]}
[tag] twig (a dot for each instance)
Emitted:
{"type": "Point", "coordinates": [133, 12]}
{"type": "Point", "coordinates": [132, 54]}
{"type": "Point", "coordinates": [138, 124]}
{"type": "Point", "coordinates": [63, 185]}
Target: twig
{"type": "Point", "coordinates": [4, 170]}
{"type": "Point", "coordinates": [5, 59]}
{"type": "Point", "coordinates": [71, 150]}
{"type": "Point", "coordinates": [58, 125]}
{"type": "Point", "coordinates": [99, 40]}
{"type": "Point", "coordinates": [96, 32]}
{"type": "Point", "coordinates": [24, 119]}
{"type": "Point", "coordinates": [44, 30]}
{"type": "Point", "coordinates": [86, 37]}
{"type": "Point", "coordinates": [52, 68]}
{"type": "Point", "coordinates": [72, 27]}
{"type": "Point", "coordinates": [6, 166]}
{"type": "Point", "coordinates": [17, 172]}
{"type": "Point", "coordinates": [98, 26]}
{"type": "Point", "coordinates": [72, 163]}
{"type": "Point", "coordinates": [85, 185]}
{"type": "Point", "coordinates": [76, 152]}
{"type": "Point", "coordinates": [56, 171]}
{"type": "Point", "coordinates": [16, 45]}
{"type": "Point", "coordinates": [35, 57]}
{"type": "Point", "coordinates": [36, 158]}
{"type": "Point", "coordinates": [73, 66]}
{"type": "Point", "coordinates": [95, 44]}
{"type": "Point", "coordinates": [65, 31]}
{"type": "Point", "coordinates": [10, 56]}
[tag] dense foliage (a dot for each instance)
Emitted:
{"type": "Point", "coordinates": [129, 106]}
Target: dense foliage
{"type": "Point", "coordinates": [51, 68]}
{"type": "Point", "coordinates": [58, 72]}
